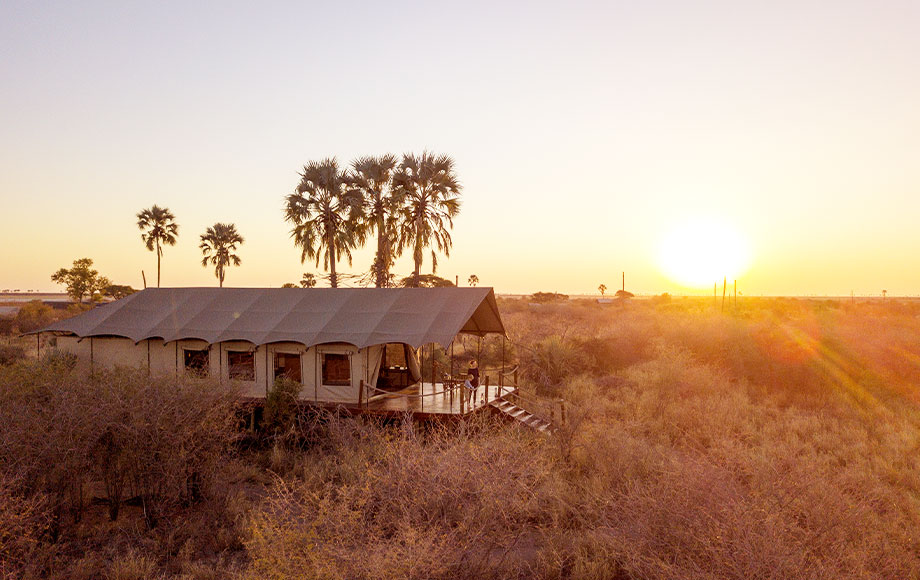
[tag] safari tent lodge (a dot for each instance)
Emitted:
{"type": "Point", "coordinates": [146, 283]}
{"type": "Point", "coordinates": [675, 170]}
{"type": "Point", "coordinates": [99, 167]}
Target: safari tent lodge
{"type": "Point", "coordinates": [354, 347]}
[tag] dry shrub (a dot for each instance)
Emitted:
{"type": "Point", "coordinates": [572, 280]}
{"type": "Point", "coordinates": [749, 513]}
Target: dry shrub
{"type": "Point", "coordinates": [34, 315]}
{"type": "Point", "coordinates": [11, 353]}
{"type": "Point", "coordinates": [132, 565]}
{"type": "Point", "coordinates": [403, 505]}
{"type": "Point", "coordinates": [688, 473]}
{"type": "Point", "coordinates": [550, 361]}
{"type": "Point", "coordinates": [154, 440]}
{"type": "Point", "coordinates": [23, 521]}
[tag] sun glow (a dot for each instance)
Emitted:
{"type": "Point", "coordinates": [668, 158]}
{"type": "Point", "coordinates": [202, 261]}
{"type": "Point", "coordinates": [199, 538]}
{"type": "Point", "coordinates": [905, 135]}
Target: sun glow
{"type": "Point", "coordinates": [702, 251]}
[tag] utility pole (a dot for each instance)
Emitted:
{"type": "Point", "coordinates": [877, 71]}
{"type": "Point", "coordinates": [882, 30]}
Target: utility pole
{"type": "Point", "coordinates": [624, 281]}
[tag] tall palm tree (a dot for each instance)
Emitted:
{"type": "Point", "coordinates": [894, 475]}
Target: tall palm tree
{"type": "Point", "coordinates": [218, 243]}
{"type": "Point", "coordinates": [324, 212]}
{"type": "Point", "coordinates": [432, 200]}
{"type": "Point", "coordinates": [158, 226]}
{"type": "Point", "coordinates": [372, 179]}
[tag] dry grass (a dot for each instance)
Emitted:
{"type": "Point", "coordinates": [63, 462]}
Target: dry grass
{"type": "Point", "coordinates": [775, 441]}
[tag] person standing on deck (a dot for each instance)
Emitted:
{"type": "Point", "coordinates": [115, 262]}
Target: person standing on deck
{"type": "Point", "coordinates": [472, 379]}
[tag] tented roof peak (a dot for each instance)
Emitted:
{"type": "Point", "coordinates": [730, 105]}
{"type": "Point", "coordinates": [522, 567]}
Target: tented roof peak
{"type": "Point", "coordinates": [310, 316]}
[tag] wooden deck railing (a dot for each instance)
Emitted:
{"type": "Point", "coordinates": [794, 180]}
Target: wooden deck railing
{"type": "Point", "coordinates": [506, 387]}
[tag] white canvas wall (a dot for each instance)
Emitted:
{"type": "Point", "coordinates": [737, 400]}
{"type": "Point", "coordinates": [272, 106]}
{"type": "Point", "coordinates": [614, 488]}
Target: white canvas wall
{"type": "Point", "coordinates": [168, 359]}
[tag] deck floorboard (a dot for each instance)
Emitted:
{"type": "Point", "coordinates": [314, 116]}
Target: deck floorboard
{"type": "Point", "coordinates": [437, 400]}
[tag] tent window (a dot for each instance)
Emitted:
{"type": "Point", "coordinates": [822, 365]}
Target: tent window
{"type": "Point", "coordinates": [287, 365]}
{"type": "Point", "coordinates": [241, 366]}
{"type": "Point", "coordinates": [197, 362]}
{"type": "Point", "coordinates": [336, 369]}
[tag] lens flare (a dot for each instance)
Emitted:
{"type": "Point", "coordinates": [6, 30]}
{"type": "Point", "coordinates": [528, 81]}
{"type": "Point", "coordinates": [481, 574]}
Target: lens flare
{"type": "Point", "coordinates": [704, 250]}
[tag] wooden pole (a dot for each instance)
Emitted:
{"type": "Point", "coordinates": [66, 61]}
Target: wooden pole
{"type": "Point", "coordinates": [624, 281]}
{"type": "Point", "coordinates": [501, 377]}
{"type": "Point", "coordinates": [422, 385]}
{"type": "Point", "coordinates": [736, 293]}
{"type": "Point", "coordinates": [38, 345]}
{"type": "Point", "coordinates": [724, 285]}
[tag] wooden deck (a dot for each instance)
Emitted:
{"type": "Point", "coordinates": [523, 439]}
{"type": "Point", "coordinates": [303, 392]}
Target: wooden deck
{"type": "Point", "coordinates": [436, 401]}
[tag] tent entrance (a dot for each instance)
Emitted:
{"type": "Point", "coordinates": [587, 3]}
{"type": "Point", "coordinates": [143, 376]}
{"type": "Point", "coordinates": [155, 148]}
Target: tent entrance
{"type": "Point", "coordinates": [399, 367]}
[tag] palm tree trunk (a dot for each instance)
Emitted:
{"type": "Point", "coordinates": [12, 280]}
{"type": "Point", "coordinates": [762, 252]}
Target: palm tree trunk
{"type": "Point", "coordinates": [419, 246]}
{"type": "Point", "coordinates": [382, 259]}
{"type": "Point", "coordinates": [158, 262]}
{"type": "Point", "coordinates": [417, 256]}
{"type": "Point", "coordinates": [221, 277]}
{"type": "Point", "coordinates": [332, 276]}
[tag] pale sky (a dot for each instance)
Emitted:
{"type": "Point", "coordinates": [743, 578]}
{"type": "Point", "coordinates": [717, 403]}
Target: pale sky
{"type": "Point", "coordinates": [583, 133]}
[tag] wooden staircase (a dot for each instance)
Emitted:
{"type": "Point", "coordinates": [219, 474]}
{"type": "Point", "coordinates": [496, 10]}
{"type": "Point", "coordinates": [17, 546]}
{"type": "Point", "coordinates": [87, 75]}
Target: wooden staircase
{"type": "Point", "coordinates": [522, 415]}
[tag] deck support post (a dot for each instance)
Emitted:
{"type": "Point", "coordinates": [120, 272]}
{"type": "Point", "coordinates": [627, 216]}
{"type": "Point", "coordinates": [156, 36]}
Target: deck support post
{"type": "Point", "coordinates": [485, 400]}
{"type": "Point", "coordinates": [501, 377]}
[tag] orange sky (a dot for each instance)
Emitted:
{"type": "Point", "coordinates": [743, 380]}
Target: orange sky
{"type": "Point", "coordinates": [583, 134]}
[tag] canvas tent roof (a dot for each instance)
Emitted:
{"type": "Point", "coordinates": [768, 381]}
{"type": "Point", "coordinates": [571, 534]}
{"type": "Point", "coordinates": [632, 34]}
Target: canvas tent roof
{"type": "Point", "coordinates": [358, 316]}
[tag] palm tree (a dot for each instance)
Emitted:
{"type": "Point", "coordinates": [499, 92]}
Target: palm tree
{"type": "Point", "coordinates": [372, 178]}
{"type": "Point", "coordinates": [602, 288]}
{"type": "Point", "coordinates": [324, 212]}
{"type": "Point", "coordinates": [472, 280]}
{"type": "Point", "coordinates": [159, 228]}
{"type": "Point", "coordinates": [431, 192]}
{"type": "Point", "coordinates": [218, 243]}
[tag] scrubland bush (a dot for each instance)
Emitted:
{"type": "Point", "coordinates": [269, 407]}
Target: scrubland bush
{"type": "Point", "coordinates": [550, 361]}
{"type": "Point", "coordinates": [778, 440]}
{"type": "Point", "coordinates": [11, 353]}
{"type": "Point", "coordinates": [281, 408]}
{"type": "Point", "coordinates": [154, 440]}
{"type": "Point", "coordinates": [394, 503]}
{"type": "Point", "coordinates": [34, 315]}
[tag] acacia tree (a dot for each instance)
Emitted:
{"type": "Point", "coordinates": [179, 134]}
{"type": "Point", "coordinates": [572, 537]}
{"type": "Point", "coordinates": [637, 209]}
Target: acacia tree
{"type": "Point", "coordinates": [431, 191]}
{"type": "Point", "coordinates": [324, 212]}
{"type": "Point", "coordinates": [159, 228]}
{"type": "Point", "coordinates": [218, 243]}
{"type": "Point", "coordinates": [372, 178]}
{"type": "Point", "coordinates": [81, 280]}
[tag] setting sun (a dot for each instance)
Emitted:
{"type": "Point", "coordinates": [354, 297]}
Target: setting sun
{"type": "Point", "coordinates": [701, 251]}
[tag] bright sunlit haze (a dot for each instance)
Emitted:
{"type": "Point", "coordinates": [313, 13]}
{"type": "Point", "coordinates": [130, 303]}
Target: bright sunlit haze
{"type": "Point", "coordinates": [590, 139]}
{"type": "Point", "coordinates": [700, 251]}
